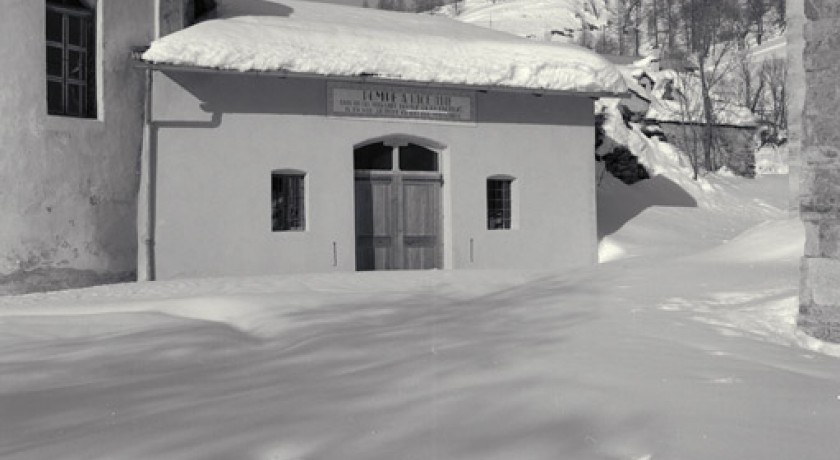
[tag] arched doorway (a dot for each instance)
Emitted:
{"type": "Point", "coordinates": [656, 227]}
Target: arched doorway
{"type": "Point", "coordinates": [398, 206]}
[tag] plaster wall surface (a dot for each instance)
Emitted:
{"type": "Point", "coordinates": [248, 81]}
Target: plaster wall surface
{"type": "Point", "coordinates": [217, 139]}
{"type": "Point", "coordinates": [68, 193]}
{"type": "Point", "coordinates": [820, 185]}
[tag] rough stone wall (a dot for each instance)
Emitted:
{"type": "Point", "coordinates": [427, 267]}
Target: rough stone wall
{"type": "Point", "coordinates": [69, 185]}
{"type": "Point", "coordinates": [820, 186]}
{"type": "Point", "coordinates": [795, 91]}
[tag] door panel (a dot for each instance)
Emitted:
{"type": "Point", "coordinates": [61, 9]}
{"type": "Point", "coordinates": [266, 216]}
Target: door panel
{"type": "Point", "coordinates": [375, 223]}
{"type": "Point", "coordinates": [421, 223]}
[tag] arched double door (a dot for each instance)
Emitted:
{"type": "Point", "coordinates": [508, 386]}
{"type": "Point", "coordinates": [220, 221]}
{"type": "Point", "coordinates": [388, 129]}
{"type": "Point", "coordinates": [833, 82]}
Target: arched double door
{"type": "Point", "coordinates": [398, 207]}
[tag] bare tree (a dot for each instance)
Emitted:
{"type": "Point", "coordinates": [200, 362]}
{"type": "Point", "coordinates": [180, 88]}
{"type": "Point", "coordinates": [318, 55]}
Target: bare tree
{"type": "Point", "coordinates": [427, 5]}
{"type": "Point", "coordinates": [711, 28]}
{"type": "Point", "coordinates": [755, 12]}
{"type": "Point", "coordinates": [752, 85]}
{"type": "Point", "coordinates": [774, 73]}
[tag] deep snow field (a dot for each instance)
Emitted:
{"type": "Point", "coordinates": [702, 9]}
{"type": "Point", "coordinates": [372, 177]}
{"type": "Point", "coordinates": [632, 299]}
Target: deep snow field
{"type": "Point", "coordinates": [680, 345]}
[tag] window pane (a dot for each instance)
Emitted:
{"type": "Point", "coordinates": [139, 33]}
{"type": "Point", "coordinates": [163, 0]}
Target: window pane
{"type": "Point", "coordinates": [70, 61]}
{"type": "Point", "coordinates": [55, 98]}
{"type": "Point", "coordinates": [417, 158]}
{"type": "Point", "coordinates": [54, 26]}
{"type": "Point", "coordinates": [54, 62]}
{"type": "Point", "coordinates": [498, 204]}
{"type": "Point", "coordinates": [374, 156]}
{"type": "Point", "coordinates": [74, 100]}
{"type": "Point", "coordinates": [287, 205]}
{"type": "Point", "coordinates": [74, 30]}
{"type": "Point", "coordinates": [75, 65]}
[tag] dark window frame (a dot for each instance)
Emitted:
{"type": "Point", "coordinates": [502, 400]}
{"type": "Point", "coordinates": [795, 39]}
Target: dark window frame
{"type": "Point", "coordinates": [407, 157]}
{"type": "Point", "coordinates": [70, 59]}
{"type": "Point", "coordinates": [500, 203]}
{"type": "Point", "coordinates": [288, 201]}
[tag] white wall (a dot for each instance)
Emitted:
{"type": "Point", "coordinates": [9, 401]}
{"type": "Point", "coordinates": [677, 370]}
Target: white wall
{"type": "Point", "coordinates": [218, 137]}
{"type": "Point", "coordinates": [67, 198]}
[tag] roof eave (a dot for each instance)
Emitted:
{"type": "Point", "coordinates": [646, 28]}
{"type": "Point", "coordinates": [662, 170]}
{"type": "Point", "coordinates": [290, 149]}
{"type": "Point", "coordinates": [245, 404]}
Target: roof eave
{"type": "Point", "coordinates": [140, 62]}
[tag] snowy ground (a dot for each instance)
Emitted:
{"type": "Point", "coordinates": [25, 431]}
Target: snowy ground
{"type": "Point", "coordinates": [682, 346]}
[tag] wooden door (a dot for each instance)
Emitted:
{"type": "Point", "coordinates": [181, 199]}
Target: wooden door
{"type": "Point", "coordinates": [398, 213]}
{"type": "Point", "coordinates": [420, 222]}
{"type": "Point", "coordinates": [376, 225]}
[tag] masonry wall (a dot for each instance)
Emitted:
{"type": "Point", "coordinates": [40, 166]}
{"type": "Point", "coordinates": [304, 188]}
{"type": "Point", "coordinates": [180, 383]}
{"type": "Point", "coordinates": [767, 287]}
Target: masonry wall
{"type": "Point", "coordinates": [820, 184]}
{"type": "Point", "coordinates": [217, 139]}
{"type": "Point", "coordinates": [68, 193]}
{"type": "Point", "coordinates": [795, 90]}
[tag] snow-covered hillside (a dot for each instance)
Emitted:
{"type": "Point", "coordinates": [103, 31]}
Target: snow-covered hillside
{"type": "Point", "coordinates": [540, 19]}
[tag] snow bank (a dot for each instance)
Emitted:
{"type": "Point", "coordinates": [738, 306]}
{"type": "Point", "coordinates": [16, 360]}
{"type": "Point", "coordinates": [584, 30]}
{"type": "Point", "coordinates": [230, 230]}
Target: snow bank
{"type": "Point", "coordinates": [771, 159]}
{"type": "Point", "coordinates": [314, 38]}
{"type": "Point", "coordinates": [646, 358]}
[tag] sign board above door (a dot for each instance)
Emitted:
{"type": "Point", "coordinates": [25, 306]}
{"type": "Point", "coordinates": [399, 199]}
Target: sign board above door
{"type": "Point", "coordinates": [403, 102]}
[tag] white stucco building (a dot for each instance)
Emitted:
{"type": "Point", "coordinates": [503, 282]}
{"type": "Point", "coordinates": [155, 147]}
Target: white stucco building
{"type": "Point", "coordinates": [282, 136]}
{"type": "Point", "coordinates": [354, 139]}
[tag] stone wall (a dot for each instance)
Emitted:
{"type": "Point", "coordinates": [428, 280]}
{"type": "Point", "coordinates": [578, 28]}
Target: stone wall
{"type": "Point", "coordinates": [795, 89]}
{"type": "Point", "coordinates": [820, 184]}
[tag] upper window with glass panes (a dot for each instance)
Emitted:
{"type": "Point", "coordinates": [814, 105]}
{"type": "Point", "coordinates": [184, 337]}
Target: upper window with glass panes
{"type": "Point", "coordinates": [71, 64]}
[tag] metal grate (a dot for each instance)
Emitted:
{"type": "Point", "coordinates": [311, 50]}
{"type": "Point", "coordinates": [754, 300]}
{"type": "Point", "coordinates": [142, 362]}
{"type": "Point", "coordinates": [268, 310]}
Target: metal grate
{"type": "Point", "coordinates": [498, 204]}
{"type": "Point", "coordinates": [287, 202]}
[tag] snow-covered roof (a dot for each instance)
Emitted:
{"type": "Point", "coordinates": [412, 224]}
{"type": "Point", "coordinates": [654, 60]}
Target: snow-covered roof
{"type": "Point", "coordinates": [312, 38]}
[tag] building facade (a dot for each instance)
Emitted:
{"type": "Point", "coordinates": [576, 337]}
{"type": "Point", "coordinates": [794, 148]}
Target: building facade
{"type": "Point", "coordinates": [71, 138]}
{"type": "Point", "coordinates": [261, 174]}
{"type": "Point", "coordinates": [117, 170]}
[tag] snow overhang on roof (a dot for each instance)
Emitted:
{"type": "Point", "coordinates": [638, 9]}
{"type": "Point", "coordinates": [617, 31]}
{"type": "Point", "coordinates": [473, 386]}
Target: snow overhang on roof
{"type": "Point", "coordinates": [299, 38]}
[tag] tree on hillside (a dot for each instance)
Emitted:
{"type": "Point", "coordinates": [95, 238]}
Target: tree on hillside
{"type": "Point", "coordinates": [427, 5]}
{"type": "Point", "coordinates": [392, 5]}
{"type": "Point", "coordinates": [626, 26]}
{"type": "Point", "coordinates": [755, 12]}
{"type": "Point", "coordinates": [774, 73]}
{"type": "Point", "coordinates": [710, 31]}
